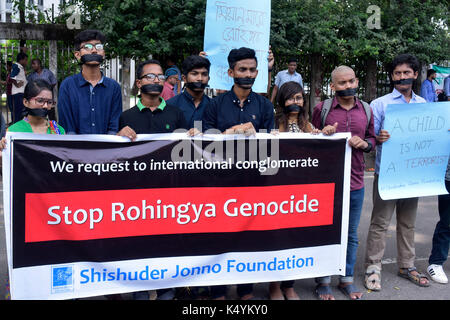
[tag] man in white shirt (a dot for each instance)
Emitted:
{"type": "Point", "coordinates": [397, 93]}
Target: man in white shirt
{"type": "Point", "coordinates": [285, 76]}
{"type": "Point", "coordinates": [19, 81]}
{"type": "Point", "coordinates": [404, 72]}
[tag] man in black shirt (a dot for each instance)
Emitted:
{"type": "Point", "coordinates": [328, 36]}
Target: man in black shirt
{"type": "Point", "coordinates": [240, 110]}
{"type": "Point", "coordinates": [151, 114]}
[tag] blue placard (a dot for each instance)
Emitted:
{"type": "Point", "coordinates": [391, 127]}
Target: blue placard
{"type": "Point", "coordinates": [414, 159]}
{"type": "Point", "coordinates": [233, 24]}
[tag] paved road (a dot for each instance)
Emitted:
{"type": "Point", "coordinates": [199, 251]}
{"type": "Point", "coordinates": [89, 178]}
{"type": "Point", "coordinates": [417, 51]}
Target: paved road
{"type": "Point", "coordinates": [394, 287]}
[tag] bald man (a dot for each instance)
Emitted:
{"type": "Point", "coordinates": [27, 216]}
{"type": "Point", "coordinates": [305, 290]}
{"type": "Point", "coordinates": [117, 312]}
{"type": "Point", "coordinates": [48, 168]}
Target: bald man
{"type": "Point", "coordinates": [346, 113]}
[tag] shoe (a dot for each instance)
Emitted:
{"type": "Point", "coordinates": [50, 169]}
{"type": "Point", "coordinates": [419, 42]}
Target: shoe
{"type": "Point", "coordinates": [437, 273]}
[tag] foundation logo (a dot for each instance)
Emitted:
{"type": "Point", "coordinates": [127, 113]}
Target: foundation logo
{"type": "Point", "coordinates": [62, 279]}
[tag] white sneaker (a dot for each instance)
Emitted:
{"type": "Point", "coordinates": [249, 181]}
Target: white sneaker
{"type": "Point", "coordinates": [437, 273]}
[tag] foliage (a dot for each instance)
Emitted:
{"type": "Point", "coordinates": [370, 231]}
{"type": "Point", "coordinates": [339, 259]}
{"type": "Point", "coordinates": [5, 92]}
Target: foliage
{"type": "Point", "coordinates": [336, 30]}
{"type": "Point", "coordinates": [138, 28]}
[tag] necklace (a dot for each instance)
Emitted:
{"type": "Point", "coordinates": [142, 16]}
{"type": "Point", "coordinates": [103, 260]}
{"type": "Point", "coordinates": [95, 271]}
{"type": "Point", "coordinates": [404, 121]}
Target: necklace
{"type": "Point", "coordinates": [50, 124]}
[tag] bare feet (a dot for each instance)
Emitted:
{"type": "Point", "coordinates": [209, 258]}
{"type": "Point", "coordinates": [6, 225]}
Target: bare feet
{"type": "Point", "coordinates": [290, 294]}
{"type": "Point", "coordinates": [275, 291]}
{"type": "Point", "coordinates": [323, 291]}
{"type": "Point", "coordinates": [350, 290]}
{"type": "Point", "coordinates": [247, 297]}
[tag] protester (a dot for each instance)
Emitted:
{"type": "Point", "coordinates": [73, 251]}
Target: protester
{"type": "Point", "coordinates": [404, 72]}
{"type": "Point", "coordinates": [270, 64]}
{"type": "Point", "coordinates": [193, 100]}
{"type": "Point", "coordinates": [89, 102]}
{"type": "Point", "coordinates": [45, 74]}
{"type": "Point", "coordinates": [38, 101]}
{"type": "Point", "coordinates": [171, 80]}
{"type": "Point", "coordinates": [151, 114]}
{"type": "Point", "coordinates": [441, 236]}
{"type": "Point", "coordinates": [427, 90]}
{"type": "Point", "coordinates": [293, 119]}
{"type": "Point", "coordinates": [346, 113]}
{"type": "Point", "coordinates": [238, 111]}
{"type": "Point", "coordinates": [19, 81]}
{"type": "Point", "coordinates": [290, 74]}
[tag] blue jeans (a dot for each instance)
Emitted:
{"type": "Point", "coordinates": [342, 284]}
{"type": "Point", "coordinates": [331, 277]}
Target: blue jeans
{"type": "Point", "coordinates": [441, 236]}
{"type": "Point", "coordinates": [356, 203]}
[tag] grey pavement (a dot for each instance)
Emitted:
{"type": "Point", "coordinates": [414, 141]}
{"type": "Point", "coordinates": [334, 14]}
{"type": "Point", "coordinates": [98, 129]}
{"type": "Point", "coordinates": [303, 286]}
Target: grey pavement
{"type": "Point", "coordinates": [393, 287]}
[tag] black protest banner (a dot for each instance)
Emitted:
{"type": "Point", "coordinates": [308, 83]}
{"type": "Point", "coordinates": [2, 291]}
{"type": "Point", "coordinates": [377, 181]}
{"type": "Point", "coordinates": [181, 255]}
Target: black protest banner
{"type": "Point", "coordinates": [92, 207]}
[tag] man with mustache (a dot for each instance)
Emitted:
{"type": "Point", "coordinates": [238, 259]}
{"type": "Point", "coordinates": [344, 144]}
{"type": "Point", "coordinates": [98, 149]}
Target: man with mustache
{"type": "Point", "coordinates": [240, 110]}
{"type": "Point", "coordinates": [346, 113]}
{"type": "Point", "coordinates": [404, 71]}
{"type": "Point", "coordinates": [152, 114]}
{"type": "Point", "coordinates": [89, 102]}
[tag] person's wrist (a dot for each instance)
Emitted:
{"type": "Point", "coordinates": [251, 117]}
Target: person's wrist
{"type": "Point", "coordinates": [369, 146]}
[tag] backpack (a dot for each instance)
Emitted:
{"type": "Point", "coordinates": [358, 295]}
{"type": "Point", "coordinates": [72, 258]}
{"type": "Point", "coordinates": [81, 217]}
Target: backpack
{"type": "Point", "coordinates": [327, 106]}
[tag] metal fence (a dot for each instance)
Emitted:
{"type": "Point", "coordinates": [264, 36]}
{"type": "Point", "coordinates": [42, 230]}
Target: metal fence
{"type": "Point", "coordinates": [67, 65]}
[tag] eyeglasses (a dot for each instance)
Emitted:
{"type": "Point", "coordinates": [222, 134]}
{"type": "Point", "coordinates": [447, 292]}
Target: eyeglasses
{"type": "Point", "coordinates": [152, 76]}
{"type": "Point", "coordinates": [41, 101]}
{"type": "Point", "coordinates": [90, 46]}
{"type": "Point", "coordinates": [296, 99]}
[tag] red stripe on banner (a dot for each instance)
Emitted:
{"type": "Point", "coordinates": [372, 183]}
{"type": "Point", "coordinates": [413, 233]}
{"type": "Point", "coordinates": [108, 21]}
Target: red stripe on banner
{"type": "Point", "coordinates": [91, 215]}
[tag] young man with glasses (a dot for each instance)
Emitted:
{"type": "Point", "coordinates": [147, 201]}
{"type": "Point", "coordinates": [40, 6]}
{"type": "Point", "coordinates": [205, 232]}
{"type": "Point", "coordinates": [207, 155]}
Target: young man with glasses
{"type": "Point", "coordinates": [151, 114]}
{"type": "Point", "coordinates": [89, 102]}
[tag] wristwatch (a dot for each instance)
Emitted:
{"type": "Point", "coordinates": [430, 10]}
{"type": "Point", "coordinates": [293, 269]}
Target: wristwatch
{"type": "Point", "coordinates": [369, 146]}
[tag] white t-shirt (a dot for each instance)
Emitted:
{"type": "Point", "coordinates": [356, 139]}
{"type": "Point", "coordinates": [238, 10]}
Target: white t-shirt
{"type": "Point", "coordinates": [18, 74]}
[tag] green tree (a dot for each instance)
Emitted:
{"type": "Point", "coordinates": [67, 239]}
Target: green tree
{"type": "Point", "coordinates": [320, 33]}
{"type": "Point", "coordinates": [138, 28]}
{"type": "Point", "coordinates": [419, 27]}
{"type": "Point", "coordinates": [307, 29]}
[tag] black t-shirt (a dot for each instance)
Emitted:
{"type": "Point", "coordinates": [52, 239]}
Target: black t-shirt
{"type": "Point", "coordinates": [164, 119]}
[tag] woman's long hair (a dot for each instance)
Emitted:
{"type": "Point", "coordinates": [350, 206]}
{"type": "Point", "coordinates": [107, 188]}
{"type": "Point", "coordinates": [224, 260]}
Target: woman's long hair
{"type": "Point", "coordinates": [288, 90]}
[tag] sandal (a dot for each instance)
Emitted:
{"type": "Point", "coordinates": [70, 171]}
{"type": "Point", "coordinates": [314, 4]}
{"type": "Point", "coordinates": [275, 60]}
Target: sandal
{"type": "Point", "coordinates": [373, 278]}
{"type": "Point", "coordinates": [348, 290]}
{"type": "Point", "coordinates": [414, 278]}
{"type": "Point", "coordinates": [322, 290]}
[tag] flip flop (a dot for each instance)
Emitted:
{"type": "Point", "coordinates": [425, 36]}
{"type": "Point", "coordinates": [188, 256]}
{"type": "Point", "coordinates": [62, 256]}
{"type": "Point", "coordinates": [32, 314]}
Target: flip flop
{"type": "Point", "coordinates": [323, 290]}
{"type": "Point", "coordinates": [407, 274]}
{"type": "Point", "coordinates": [348, 290]}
